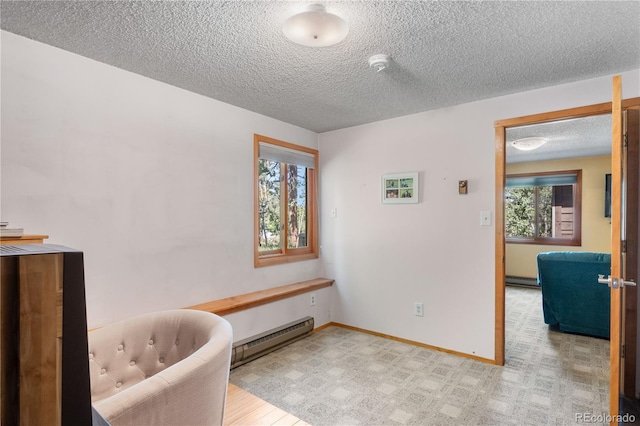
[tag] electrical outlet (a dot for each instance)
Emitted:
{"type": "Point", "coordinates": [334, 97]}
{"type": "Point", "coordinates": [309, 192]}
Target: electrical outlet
{"type": "Point", "coordinates": [312, 299]}
{"type": "Point", "coordinates": [418, 309]}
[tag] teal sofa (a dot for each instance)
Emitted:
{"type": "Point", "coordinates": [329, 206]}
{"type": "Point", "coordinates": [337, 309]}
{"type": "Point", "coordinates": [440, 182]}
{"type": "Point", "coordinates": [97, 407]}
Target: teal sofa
{"type": "Point", "coordinates": [572, 299]}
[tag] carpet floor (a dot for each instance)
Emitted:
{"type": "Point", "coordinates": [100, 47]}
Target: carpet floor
{"type": "Point", "coordinates": [338, 376]}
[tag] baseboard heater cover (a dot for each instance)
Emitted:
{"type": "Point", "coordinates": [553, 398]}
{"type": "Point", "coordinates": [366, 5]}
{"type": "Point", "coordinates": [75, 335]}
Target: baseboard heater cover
{"type": "Point", "coordinates": [254, 347]}
{"type": "Point", "coordinates": [513, 280]}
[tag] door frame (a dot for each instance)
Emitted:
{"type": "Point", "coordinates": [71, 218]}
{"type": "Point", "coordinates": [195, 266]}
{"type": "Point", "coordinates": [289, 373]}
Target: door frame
{"type": "Point", "coordinates": [500, 173]}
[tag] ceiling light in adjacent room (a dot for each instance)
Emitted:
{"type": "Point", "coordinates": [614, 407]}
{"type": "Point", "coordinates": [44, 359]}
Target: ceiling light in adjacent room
{"type": "Point", "coordinates": [315, 28]}
{"type": "Point", "coordinates": [528, 144]}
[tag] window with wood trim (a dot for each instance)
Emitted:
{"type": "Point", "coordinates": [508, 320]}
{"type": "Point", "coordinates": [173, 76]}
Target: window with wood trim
{"type": "Point", "coordinates": [544, 208]}
{"type": "Point", "coordinates": [285, 202]}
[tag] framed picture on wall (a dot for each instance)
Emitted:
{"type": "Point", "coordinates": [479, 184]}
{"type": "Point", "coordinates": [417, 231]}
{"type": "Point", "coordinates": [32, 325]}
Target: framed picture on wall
{"type": "Point", "coordinates": [400, 188]}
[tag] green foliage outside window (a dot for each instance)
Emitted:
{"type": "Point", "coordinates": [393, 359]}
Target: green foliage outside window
{"type": "Point", "coordinates": [269, 204]}
{"type": "Point", "coordinates": [272, 187]}
{"type": "Point", "coordinates": [529, 212]}
{"type": "Point", "coordinates": [297, 186]}
{"type": "Point", "coordinates": [520, 212]}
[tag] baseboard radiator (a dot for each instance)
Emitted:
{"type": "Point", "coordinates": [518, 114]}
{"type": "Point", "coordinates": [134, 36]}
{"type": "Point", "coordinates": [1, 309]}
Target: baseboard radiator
{"type": "Point", "coordinates": [526, 281]}
{"type": "Point", "coordinates": [254, 347]}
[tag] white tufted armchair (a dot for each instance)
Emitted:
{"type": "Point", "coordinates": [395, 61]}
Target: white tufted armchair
{"type": "Point", "coordinates": [164, 368]}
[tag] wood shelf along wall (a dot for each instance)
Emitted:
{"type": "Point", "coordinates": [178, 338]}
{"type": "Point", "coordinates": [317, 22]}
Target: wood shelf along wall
{"type": "Point", "coordinates": [25, 239]}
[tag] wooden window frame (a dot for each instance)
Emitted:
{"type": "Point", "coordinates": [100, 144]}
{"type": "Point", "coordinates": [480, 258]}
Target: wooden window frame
{"type": "Point", "coordinates": [577, 213]}
{"type": "Point", "coordinates": [285, 254]}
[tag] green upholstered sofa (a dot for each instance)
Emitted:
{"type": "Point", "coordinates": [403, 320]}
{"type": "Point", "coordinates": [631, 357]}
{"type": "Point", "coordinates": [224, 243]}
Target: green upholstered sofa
{"type": "Point", "coordinates": [572, 299]}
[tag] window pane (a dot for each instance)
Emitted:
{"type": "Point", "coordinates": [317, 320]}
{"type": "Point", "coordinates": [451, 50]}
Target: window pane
{"type": "Point", "coordinates": [563, 211]}
{"type": "Point", "coordinates": [545, 211]}
{"type": "Point", "coordinates": [269, 205]}
{"type": "Point", "coordinates": [554, 212]}
{"type": "Point", "coordinates": [297, 208]}
{"type": "Point", "coordinates": [520, 212]}
{"type": "Point", "coordinates": [543, 208]}
{"type": "Point", "coordinates": [285, 203]}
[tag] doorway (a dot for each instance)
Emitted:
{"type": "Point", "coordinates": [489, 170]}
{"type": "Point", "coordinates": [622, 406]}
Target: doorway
{"type": "Point", "coordinates": [501, 128]}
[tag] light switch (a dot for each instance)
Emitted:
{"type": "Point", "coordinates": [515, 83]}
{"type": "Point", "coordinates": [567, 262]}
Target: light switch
{"type": "Point", "coordinates": [334, 212]}
{"type": "Point", "coordinates": [485, 218]}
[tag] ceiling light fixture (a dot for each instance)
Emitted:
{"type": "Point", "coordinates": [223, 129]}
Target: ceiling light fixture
{"type": "Point", "coordinates": [379, 62]}
{"type": "Point", "coordinates": [315, 28]}
{"type": "Point", "coordinates": [528, 144]}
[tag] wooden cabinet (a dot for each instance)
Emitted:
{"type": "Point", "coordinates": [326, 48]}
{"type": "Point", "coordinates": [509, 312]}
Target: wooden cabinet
{"type": "Point", "coordinates": [44, 370]}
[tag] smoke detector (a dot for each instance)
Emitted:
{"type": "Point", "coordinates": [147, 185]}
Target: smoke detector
{"type": "Point", "coordinates": [379, 62]}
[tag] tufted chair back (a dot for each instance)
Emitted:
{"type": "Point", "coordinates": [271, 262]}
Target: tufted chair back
{"type": "Point", "coordinates": [125, 354]}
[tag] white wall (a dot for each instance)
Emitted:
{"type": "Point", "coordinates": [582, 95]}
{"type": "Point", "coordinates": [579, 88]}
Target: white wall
{"type": "Point", "coordinates": [387, 257]}
{"type": "Point", "coordinates": [152, 182]}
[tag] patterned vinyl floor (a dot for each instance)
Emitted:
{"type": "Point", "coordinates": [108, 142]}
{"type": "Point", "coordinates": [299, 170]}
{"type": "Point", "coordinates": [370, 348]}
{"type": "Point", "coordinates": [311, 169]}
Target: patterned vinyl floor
{"type": "Point", "coordinates": [342, 377]}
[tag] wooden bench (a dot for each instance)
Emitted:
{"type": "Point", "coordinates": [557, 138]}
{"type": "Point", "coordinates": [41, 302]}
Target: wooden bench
{"type": "Point", "coordinates": [261, 297]}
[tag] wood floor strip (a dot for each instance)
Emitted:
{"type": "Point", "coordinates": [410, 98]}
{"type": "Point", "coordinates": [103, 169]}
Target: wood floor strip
{"type": "Point", "coordinates": [289, 420]}
{"type": "Point", "coordinates": [245, 409]}
{"type": "Point", "coordinates": [273, 417]}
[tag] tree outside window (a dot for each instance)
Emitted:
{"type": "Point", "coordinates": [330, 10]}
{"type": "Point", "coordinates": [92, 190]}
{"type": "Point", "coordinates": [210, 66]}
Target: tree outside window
{"type": "Point", "coordinates": [272, 186]}
{"type": "Point", "coordinates": [269, 187]}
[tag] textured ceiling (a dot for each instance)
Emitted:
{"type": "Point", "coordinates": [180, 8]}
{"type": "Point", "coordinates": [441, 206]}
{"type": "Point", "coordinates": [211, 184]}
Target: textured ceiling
{"type": "Point", "coordinates": [443, 53]}
{"type": "Point", "coordinates": [579, 137]}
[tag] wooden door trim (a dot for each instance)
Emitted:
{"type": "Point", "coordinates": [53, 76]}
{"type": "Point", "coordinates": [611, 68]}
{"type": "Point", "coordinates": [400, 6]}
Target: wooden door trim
{"type": "Point", "coordinates": [564, 114]}
{"type": "Point", "coordinates": [500, 245]}
{"type": "Point", "coordinates": [500, 162]}
{"type": "Point", "coordinates": [616, 252]}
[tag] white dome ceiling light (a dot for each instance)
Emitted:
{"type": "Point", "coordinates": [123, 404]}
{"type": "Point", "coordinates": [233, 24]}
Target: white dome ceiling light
{"type": "Point", "coordinates": [528, 144]}
{"type": "Point", "coordinates": [316, 27]}
{"type": "Point", "coordinates": [379, 62]}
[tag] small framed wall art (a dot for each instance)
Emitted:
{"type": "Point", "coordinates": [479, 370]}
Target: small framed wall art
{"type": "Point", "coordinates": [400, 188]}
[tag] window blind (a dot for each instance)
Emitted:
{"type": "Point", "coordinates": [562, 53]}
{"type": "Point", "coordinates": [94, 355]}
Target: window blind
{"type": "Point", "coordinates": [547, 180]}
{"type": "Point", "coordinates": [286, 155]}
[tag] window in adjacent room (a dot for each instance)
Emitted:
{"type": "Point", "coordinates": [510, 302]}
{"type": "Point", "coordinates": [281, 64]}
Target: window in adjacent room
{"type": "Point", "coordinates": [285, 202]}
{"type": "Point", "coordinates": [544, 208]}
